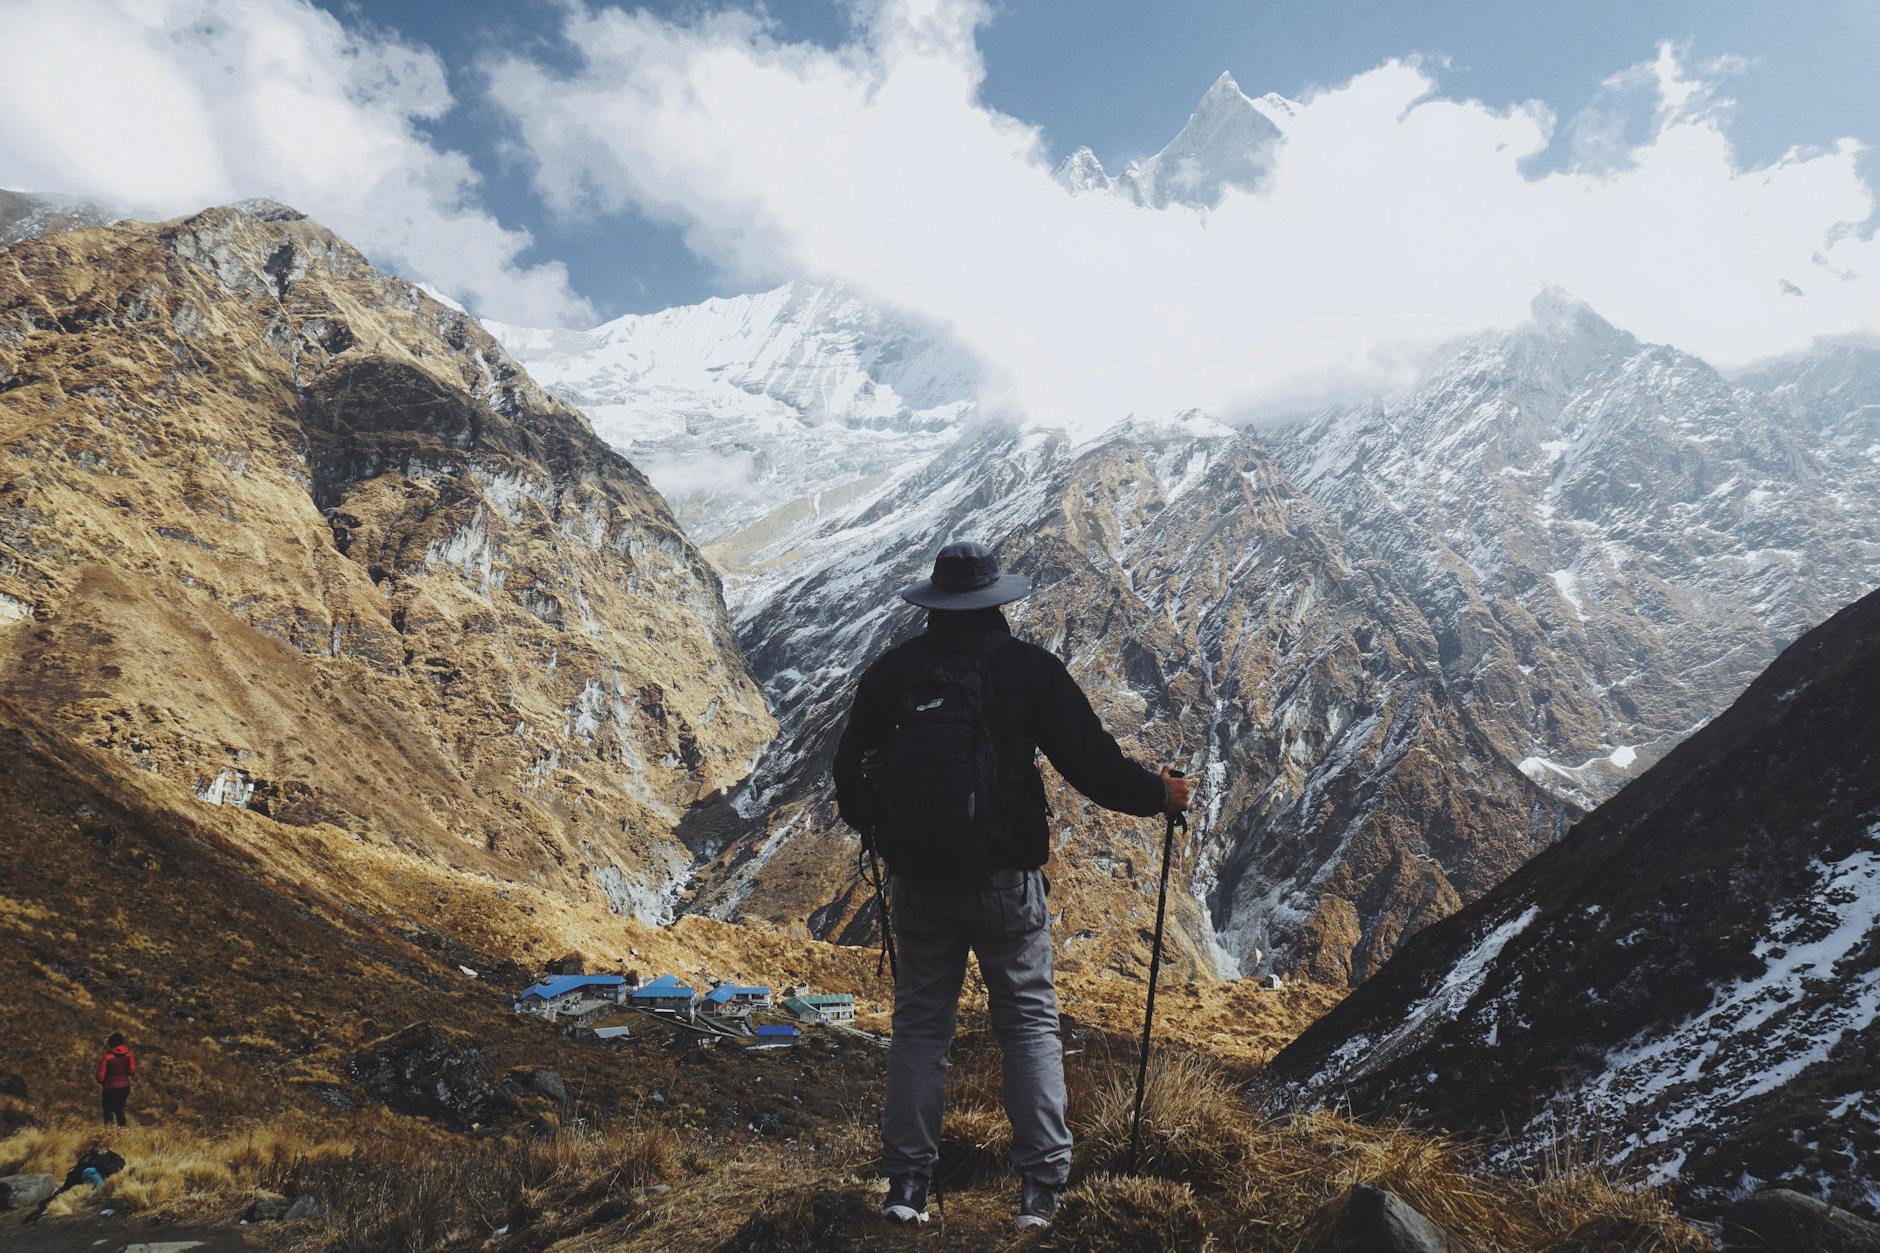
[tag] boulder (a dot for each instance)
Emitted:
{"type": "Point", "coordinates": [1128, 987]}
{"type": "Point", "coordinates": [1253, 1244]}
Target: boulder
{"type": "Point", "coordinates": [304, 1209]}
{"type": "Point", "coordinates": [269, 1207]}
{"type": "Point", "coordinates": [19, 1191]}
{"type": "Point", "coordinates": [538, 1080]}
{"type": "Point", "coordinates": [1777, 1218]}
{"type": "Point", "coordinates": [13, 1086]}
{"type": "Point", "coordinates": [431, 1072]}
{"type": "Point", "coordinates": [1372, 1220]}
{"type": "Point", "coordinates": [549, 1084]}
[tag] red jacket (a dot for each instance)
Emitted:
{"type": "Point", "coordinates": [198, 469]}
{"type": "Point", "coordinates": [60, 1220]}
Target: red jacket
{"type": "Point", "coordinates": [116, 1068]}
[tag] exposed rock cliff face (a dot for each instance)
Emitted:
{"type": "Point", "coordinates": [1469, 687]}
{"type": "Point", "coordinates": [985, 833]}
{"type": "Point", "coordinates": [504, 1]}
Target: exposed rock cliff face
{"type": "Point", "coordinates": [1607, 539]}
{"type": "Point", "coordinates": [1691, 979]}
{"type": "Point", "coordinates": [287, 529]}
{"type": "Point", "coordinates": [1217, 617]}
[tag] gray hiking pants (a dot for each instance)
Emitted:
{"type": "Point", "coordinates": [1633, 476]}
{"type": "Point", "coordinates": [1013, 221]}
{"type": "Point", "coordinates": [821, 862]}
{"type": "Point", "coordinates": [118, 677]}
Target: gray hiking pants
{"type": "Point", "coordinates": [1005, 922]}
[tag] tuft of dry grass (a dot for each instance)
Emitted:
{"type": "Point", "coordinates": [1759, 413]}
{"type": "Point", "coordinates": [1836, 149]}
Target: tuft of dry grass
{"type": "Point", "coordinates": [1194, 1122]}
{"type": "Point", "coordinates": [1279, 1183]}
{"type": "Point", "coordinates": [541, 1187]}
{"type": "Point", "coordinates": [975, 1147]}
{"type": "Point", "coordinates": [1300, 1170]}
{"type": "Point", "coordinates": [1129, 1212]}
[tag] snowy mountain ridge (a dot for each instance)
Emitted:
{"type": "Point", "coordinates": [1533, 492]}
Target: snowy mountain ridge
{"type": "Point", "coordinates": [740, 405]}
{"type": "Point", "coordinates": [1689, 981]}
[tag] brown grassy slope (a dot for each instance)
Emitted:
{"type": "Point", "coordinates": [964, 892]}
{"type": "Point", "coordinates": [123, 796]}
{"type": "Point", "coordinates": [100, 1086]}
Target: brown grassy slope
{"type": "Point", "coordinates": [247, 970]}
{"type": "Point", "coordinates": [247, 960]}
{"type": "Point", "coordinates": [266, 510]}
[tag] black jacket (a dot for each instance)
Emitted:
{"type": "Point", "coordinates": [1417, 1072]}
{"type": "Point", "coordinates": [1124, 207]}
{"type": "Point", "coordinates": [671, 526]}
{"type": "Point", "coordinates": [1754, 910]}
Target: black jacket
{"type": "Point", "coordinates": [1036, 704]}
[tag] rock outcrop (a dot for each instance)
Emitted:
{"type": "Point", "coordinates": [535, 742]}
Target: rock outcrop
{"type": "Point", "coordinates": [1776, 1218]}
{"type": "Point", "coordinates": [286, 529]}
{"type": "Point", "coordinates": [434, 1073]}
{"type": "Point", "coordinates": [24, 1191]}
{"type": "Point", "coordinates": [1372, 1220]}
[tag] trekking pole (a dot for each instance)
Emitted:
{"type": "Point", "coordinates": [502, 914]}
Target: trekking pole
{"type": "Point", "coordinates": [1175, 819]}
{"type": "Point", "coordinates": [881, 913]}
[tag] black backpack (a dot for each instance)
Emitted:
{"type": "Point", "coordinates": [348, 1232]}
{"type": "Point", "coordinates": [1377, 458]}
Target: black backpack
{"type": "Point", "coordinates": [940, 808]}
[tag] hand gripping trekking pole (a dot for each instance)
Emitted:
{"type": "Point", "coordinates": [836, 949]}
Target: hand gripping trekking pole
{"type": "Point", "coordinates": [1175, 818]}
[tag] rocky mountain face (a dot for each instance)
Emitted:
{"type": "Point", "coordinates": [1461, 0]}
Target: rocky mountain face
{"type": "Point", "coordinates": [287, 530]}
{"type": "Point", "coordinates": [1218, 618]}
{"type": "Point", "coordinates": [1405, 643]}
{"type": "Point", "coordinates": [1689, 980]}
{"type": "Point", "coordinates": [1608, 538]}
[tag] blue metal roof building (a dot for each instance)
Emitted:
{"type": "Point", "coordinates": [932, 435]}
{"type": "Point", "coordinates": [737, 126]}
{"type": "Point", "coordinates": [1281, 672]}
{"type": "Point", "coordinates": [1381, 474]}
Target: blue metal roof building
{"type": "Point", "coordinates": [771, 1031]}
{"type": "Point", "coordinates": [725, 993]}
{"type": "Point", "coordinates": [665, 988]}
{"type": "Point", "coordinates": [557, 985]}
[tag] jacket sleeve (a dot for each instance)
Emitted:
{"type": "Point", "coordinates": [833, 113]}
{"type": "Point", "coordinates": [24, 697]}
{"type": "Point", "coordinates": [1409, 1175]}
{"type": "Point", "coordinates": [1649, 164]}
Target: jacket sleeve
{"type": "Point", "coordinates": [130, 1064]}
{"type": "Point", "coordinates": [862, 732]}
{"type": "Point", "coordinates": [1088, 756]}
{"type": "Point", "coordinates": [101, 1062]}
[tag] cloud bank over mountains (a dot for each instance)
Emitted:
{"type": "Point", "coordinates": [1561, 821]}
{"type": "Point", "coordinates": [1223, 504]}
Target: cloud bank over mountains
{"type": "Point", "coordinates": [1389, 217]}
{"type": "Point", "coordinates": [162, 107]}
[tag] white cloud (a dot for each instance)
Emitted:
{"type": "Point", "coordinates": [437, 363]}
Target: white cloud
{"type": "Point", "coordinates": [721, 474]}
{"type": "Point", "coordinates": [170, 105]}
{"type": "Point", "coordinates": [1393, 219]}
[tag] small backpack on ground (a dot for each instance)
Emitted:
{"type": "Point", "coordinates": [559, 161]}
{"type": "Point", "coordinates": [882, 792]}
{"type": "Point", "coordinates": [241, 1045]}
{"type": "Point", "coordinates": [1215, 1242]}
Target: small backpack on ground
{"type": "Point", "coordinates": [940, 812]}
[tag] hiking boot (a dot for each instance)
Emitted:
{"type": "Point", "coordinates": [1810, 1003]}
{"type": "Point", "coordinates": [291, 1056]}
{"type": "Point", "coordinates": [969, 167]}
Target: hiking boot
{"type": "Point", "coordinates": [906, 1201]}
{"type": "Point", "coordinates": [1037, 1204]}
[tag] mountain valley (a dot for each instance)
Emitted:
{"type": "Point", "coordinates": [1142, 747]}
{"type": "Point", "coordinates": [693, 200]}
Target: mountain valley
{"type": "Point", "coordinates": [1405, 643]}
{"type": "Point", "coordinates": [359, 658]}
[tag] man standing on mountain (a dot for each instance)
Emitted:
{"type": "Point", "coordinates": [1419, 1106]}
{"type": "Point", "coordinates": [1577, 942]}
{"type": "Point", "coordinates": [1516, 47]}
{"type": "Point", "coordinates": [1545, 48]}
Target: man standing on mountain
{"type": "Point", "coordinates": [937, 770]}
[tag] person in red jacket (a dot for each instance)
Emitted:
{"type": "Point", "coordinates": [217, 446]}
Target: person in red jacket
{"type": "Point", "coordinates": [115, 1069]}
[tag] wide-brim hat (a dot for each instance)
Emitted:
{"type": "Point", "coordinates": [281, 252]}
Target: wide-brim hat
{"type": "Point", "coordinates": [966, 576]}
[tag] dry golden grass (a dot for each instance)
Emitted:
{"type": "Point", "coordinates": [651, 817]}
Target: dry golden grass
{"type": "Point", "coordinates": [1194, 1122]}
{"type": "Point", "coordinates": [1130, 1213]}
{"type": "Point", "coordinates": [1212, 1174]}
{"type": "Point", "coordinates": [172, 1173]}
{"type": "Point", "coordinates": [1278, 1183]}
{"type": "Point", "coordinates": [764, 1197]}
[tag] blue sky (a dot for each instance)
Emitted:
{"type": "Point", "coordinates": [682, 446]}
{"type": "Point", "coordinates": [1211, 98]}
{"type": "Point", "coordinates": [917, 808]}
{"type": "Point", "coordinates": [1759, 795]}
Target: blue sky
{"type": "Point", "coordinates": [1121, 77]}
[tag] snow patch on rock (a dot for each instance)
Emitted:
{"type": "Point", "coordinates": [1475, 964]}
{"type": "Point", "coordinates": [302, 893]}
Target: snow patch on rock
{"type": "Point", "coordinates": [229, 787]}
{"type": "Point", "coordinates": [1752, 1038]}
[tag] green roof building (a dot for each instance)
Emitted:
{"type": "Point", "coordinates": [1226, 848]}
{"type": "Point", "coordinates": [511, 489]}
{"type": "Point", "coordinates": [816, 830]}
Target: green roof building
{"type": "Point", "coordinates": [822, 1007]}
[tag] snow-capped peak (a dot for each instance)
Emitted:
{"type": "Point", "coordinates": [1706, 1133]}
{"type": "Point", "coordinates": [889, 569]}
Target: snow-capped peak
{"type": "Point", "coordinates": [1228, 141]}
{"type": "Point", "coordinates": [1557, 311]}
{"type": "Point", "coordinates": [1224, 88]}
